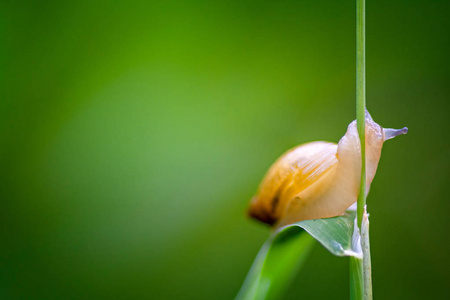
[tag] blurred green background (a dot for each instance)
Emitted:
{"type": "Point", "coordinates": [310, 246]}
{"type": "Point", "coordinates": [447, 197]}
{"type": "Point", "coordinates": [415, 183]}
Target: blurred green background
{"type": "Point", "coordinates": [133, 134]}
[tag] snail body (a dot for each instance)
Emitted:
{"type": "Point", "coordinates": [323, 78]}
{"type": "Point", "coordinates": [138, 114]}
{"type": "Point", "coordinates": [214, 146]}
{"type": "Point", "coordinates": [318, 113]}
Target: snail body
{"type": "Point", "coordinates": [319, 179]}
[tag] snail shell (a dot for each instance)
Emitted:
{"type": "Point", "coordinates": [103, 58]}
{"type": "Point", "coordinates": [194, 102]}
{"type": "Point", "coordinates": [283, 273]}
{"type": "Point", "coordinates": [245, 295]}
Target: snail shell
{"type": "Point", "coordinates": [319, 179]}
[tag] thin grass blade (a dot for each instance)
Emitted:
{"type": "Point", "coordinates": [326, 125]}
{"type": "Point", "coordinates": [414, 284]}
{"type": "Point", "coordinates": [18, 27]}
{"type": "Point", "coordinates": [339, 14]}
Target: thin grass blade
{"type": "Point", "coordinates": [284, 253]}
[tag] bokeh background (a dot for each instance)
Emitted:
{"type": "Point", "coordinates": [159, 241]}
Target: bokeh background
{"type": "Point", "coordinates": [133, 134]}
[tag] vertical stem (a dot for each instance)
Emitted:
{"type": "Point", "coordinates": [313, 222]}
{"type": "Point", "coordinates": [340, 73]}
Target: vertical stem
{"type": "Point", "coordinates": [356, 278]}
{"type": "Point", "coordinates": [361, 100]}
{"type": "Point", "coordinates": [361, 283]}
{"type": "Point", "coordinates": [367, 265]}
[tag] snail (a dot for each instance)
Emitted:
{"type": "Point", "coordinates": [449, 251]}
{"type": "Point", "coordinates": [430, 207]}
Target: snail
{"type": "Point", "coordinates": [319, 179]}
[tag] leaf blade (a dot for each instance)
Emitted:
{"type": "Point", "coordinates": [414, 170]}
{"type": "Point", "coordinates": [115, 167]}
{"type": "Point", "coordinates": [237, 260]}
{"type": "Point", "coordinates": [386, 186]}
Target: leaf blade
{"type": "Point", "coordinates": [283, 254]}
{"type": "Point", "coordinates": [338, 234]}
{"type": "Point", "coordinates": [276, 264]}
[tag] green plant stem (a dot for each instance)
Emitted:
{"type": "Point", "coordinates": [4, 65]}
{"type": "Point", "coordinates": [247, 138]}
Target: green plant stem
{"type": "Point", "coordinates": [356, 278]}
{"type": "Point", "coordinates": [367, 266]}
{"type": "Point", "coordinates": [361, 100]}
{"type": "Point", "coordinates": [360, 270]}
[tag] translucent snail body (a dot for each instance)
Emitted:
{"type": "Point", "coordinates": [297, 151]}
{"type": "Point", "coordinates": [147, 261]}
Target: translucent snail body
{"type": "Point", "coordinates": [319, 179]}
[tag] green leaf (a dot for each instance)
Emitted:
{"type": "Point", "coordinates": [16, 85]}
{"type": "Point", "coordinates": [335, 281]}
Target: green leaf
{"type": "Point", "coordinates": [336, 234]}
{"type": "Point", "coordinates": [287, 248]}
{"type": "Point", "coordinates": [276, 264]}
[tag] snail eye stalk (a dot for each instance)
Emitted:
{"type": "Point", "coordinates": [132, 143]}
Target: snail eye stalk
{"type": "Point", "coordinates": [390, 133]}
